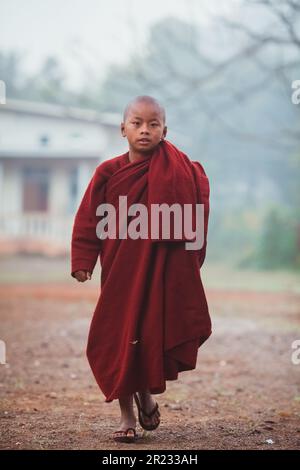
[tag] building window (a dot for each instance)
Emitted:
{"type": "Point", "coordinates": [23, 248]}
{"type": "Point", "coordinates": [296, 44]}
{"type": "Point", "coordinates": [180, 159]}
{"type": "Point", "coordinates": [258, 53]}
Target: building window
{"type": "Point", "coordinates": [35, 189]}
{"type": "Point", "coordinates": [44, 140]}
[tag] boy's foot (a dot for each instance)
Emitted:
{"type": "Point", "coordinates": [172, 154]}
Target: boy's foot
{"type": "Point", "coordinates": [148, 406]}
{"type": "Point", "coordinates": [128, 435]}
{"type": "Point", "coordinates": [126, 431]}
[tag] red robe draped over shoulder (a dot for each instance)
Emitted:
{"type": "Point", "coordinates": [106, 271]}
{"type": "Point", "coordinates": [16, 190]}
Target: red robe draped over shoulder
{"type": "Point", "coordinates": [152, 314]}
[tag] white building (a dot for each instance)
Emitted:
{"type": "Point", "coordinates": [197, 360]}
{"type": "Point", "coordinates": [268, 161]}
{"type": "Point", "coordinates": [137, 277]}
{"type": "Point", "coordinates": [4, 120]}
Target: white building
{"type": "Point", "coordinates": [48, 154]}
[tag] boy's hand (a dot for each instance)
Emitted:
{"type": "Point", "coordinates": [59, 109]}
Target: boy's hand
{"type": "Point", "coordinates": [82, 276]}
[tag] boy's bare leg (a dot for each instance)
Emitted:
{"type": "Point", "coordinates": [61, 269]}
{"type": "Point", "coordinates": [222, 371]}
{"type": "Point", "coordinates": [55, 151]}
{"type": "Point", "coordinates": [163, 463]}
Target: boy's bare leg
{"type": "Point", "coordinates": [128, 419]}
{"type": "Point", "coordinates": [148, 403]}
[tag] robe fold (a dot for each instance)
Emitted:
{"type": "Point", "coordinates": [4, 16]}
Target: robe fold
{"type": "Point", "coordinates": [152, 315]}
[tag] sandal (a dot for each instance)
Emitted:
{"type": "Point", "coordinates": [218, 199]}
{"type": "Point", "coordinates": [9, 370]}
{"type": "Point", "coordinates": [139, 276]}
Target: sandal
{"type": "Point", "coordinates": [148, 427]}
{"type": "Point", "coordinates": [124, 437]}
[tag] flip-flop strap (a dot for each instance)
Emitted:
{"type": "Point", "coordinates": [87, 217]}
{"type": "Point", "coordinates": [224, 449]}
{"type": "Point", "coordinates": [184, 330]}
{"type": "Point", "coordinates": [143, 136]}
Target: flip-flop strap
{"type": "Point", "coordinates": [125, 430]}
{"type": "Point", "coordinates": [141, 409]}
{"type": "Point", "coordinates": [151, 412]}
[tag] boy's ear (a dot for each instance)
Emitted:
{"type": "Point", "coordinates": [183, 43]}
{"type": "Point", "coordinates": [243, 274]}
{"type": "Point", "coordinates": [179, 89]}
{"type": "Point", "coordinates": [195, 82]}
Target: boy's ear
{"type": "Point", "coordinates": [122, 129]}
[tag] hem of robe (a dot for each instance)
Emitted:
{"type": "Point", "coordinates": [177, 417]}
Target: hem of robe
{"type": "Point", "coordinates": [175, 361]}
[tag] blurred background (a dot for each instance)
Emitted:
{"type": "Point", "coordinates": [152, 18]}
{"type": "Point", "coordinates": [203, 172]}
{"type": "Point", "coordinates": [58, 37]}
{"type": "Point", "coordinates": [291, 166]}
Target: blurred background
{"type": "Point", "coordinates": [226, 72]}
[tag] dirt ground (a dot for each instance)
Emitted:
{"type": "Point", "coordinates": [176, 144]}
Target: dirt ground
{"type": "Point", "coordinates": [244, 393]}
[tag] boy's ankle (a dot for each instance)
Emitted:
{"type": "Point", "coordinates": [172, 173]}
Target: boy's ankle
{"type": "Point", "coordinates": [128, 416]}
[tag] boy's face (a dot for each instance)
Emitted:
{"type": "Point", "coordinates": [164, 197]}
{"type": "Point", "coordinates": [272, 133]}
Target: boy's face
{"type": "Point", "coordinates": [144, 121]}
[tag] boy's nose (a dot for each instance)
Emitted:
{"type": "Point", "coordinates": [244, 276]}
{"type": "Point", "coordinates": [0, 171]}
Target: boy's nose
{"type": "Point", "coordinates": [144, 129]}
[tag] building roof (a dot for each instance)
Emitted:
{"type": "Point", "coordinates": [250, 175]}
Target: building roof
{"type": "Point", "coordinates": [60, 112]}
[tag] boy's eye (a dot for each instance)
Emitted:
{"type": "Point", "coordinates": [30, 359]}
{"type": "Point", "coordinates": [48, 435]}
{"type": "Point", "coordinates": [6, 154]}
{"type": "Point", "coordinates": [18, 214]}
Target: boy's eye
{"type": "Point", "coordinates": [153, 124]}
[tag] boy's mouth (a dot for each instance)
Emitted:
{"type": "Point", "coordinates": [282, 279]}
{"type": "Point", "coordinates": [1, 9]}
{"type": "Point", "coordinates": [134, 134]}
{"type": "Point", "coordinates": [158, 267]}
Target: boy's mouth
{"type": "Point", "coordinates": [144, 141]}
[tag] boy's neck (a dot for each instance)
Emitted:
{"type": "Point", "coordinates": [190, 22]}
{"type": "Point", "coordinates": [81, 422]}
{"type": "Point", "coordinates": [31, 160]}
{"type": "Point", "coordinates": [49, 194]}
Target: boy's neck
{"type": "Point", "coordinates": [135, 156]}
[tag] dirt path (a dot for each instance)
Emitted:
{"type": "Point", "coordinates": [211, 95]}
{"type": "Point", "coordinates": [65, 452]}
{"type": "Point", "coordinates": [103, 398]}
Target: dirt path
{"type": "Point", "coordinates": [244, 391]}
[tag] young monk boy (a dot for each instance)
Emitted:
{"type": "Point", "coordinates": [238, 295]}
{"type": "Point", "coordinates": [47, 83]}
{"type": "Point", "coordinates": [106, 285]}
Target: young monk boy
{"type": "Point", "coordinates": [152, 315]}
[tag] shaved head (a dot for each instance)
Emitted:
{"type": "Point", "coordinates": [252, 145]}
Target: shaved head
{"type": "Point", "coordinates": [147, 100]}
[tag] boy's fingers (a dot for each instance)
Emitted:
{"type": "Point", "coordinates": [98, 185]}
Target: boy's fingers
{"type": "Point", "coordinates": [80, 276]}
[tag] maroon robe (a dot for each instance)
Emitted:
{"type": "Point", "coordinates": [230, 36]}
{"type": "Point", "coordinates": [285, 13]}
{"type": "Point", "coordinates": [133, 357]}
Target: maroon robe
{"type": "Point", "coordinates": [152, 314]}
